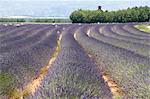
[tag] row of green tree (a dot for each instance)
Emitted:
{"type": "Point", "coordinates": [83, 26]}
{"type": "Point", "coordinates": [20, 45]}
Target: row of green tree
{"type": "Point", "coordinates": [11, 20]}
{"type": "Point", "coordinates": [36, 20]}
{"type": "Point", "coordinates": [135, 14]}
{"type": "Point", "coordinates": [44, 20]}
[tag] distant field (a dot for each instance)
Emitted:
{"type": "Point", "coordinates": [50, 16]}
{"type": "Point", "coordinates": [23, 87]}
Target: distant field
{"type": "Point", "coordinates": [74, 61]}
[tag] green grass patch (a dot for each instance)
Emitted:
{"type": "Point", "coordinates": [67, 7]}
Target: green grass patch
{"type": "Point", "coordinates": [145, 28]}
{"type": "Point", "coordinates": [6, 83]}
{"type": "Point", "coordinates": [118, 97]}
{"type": "Point", "coordinates": [7, 86]}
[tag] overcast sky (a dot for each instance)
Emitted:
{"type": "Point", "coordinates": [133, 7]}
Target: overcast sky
{"type": "Point", "coordinates": [61, 7]}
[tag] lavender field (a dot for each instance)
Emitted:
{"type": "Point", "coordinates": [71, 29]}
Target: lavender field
{"type": "Point", "coordinates": [74, 61]}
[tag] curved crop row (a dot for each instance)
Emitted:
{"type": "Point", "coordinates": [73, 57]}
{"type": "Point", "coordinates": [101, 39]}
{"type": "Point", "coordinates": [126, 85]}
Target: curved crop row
{"type": "Point", "coordinates": [119, 51]}
{"type": "Point", "coordinates": [107, 36]}
{"type": "Point", "coordinates": [25, 42]}
{"type": "Point", "coordinates": [21, 66]}
{"type": "Point", "coordinates": [119, 30]}
{"type": "Point", "coordinates": [132, 29]}
{"type": "Point", "coordinates": [20, 32]}
{"type": "Point", "coordinates": [108, 28]}
{"type": "Point", "coordinates": [128, 69]}
{"type": "Point", "coordinates": [73, 74]}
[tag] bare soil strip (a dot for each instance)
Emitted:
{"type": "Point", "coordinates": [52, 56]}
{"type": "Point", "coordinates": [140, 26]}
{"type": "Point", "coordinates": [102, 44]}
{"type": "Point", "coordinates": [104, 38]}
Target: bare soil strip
{"type": "Point", "coordinates": [114, 87]}
{"type": "Point", "coordinates": [33, 85]}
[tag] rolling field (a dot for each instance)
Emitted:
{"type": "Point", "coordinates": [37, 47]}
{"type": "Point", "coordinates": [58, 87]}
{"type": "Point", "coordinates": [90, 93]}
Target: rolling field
{"type": "Point", "coordinates": [74, 61]}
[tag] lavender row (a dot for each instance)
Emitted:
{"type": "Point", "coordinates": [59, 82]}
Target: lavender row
{"type": "Point", "coordinates": [22, 66]}
{"type": "Point", "coordinates": [73, 74]}
{"type": "Point", "coordinates": [119, 30]}
{"type": "Point", "coordinates": [132, 29]}
{"type": "Point", "coordinates": [129, 70]}
{"type": "Point", "coordinates": [104, 36]}
{"type": "Point", "coordinates": [109, 31]}
{"type": "Point", "coordinates": [32, 39]}
{"type": "Point", "coordinates": [17, 32]}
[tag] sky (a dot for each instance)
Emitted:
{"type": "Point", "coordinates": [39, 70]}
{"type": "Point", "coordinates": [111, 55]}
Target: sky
{"type": "Point", "coordinates": [61, 8]}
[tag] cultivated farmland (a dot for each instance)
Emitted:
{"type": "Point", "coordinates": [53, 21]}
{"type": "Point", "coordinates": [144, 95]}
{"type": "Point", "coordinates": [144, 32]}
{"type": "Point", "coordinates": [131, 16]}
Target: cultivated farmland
{"type": "Point", "coordinates": [74, 61]}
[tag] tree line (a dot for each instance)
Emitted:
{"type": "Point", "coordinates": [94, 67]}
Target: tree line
{"type": "Point", "coordinates": [11, 20]}
{"type": "Point", "coordinates": [135, 14]}
{"type": "Point", "coordinates": [50, 20]}
{"type": "Point", "coordinates": [36, 20]}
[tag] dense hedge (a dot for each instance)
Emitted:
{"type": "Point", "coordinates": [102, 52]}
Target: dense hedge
{"type": "Point", "coordinates": [135, 14]}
